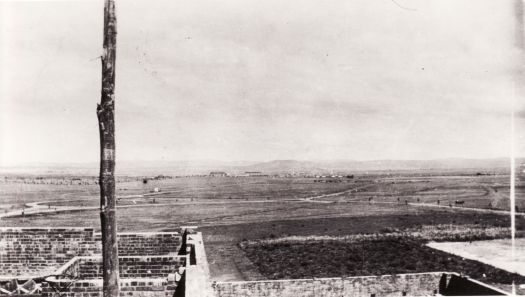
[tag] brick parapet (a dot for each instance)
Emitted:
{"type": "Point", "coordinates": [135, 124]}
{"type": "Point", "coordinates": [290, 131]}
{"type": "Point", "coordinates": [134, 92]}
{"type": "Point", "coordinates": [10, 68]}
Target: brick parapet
{"type": "Point", "coordinates": [39, 251]}
{"type": "Point", "coordinates": [418, 284]}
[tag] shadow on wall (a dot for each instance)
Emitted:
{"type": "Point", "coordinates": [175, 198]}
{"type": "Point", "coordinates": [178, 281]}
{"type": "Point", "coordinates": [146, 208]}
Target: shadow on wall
{"type": "Point", "coordinates": [180, 290]}
{"type": "Point", "coordinates": [463, 286]}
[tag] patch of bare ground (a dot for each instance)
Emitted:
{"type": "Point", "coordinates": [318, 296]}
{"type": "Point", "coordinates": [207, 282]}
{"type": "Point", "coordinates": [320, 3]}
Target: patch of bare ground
{"type": "Point", "coordinates": [228, 263]}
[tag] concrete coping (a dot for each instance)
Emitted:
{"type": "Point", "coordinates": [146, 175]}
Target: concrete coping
{"type": "Point", "coordinates": [48, 228]}
{"type": "Point", "coordinates": [98, 282]}
{"type": "Point", "coordinates": [22, 277]}
{"type": "Point", "coordinates": [97, 257]}
{"type": "Point", "coordinates": [378, 277]}
{"type": "Point", "coordinates": [194, 227]}
{"type": "Point", "coordinates": [340, 278]}
{"type": "Point", "coordinates": [144, 233]}
{"type": "Point", "coordinates": [66, 228]}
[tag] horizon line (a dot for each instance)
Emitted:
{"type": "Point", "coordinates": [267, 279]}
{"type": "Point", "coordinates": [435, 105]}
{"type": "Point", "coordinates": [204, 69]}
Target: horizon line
{"type": "Point", "coordinates": [95, 163]}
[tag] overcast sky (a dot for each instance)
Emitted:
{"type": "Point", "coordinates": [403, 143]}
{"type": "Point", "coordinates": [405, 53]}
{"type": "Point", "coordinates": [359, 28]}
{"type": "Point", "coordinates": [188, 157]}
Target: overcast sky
{"type": "Point", "coordinates": [262, 80]}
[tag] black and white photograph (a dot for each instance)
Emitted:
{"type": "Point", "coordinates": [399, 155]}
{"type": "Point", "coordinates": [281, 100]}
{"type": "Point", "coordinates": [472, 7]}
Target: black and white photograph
{"type": "Point", "coordinates": [262, 148]}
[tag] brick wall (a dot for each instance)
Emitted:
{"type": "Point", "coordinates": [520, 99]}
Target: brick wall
{"type": "Point", "coordinates": [129, 267]}
{"type": "Point", "coordinates": [418, 284]}
{"type": "Point", "coordinates": [35, 251]}
{"type": "Point", "coordinates": [140, 276]}
{"type": "Point", "coordinates": [138, 244]}
{"type": "Point", "coordinates": [40, 251]}
{"type": "Point", "coordinates": [93, 288]}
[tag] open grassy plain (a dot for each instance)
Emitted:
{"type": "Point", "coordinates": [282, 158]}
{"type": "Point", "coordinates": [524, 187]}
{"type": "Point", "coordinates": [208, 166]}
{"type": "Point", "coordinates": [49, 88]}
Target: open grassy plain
{"type": "Point", "coordinates": [232, 209]}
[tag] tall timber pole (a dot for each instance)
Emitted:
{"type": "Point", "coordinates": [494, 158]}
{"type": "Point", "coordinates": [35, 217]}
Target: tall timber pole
{"type": "Point", "coordinates": [106, 125]}
{"type": "Point", "coordinates": [518, 93]}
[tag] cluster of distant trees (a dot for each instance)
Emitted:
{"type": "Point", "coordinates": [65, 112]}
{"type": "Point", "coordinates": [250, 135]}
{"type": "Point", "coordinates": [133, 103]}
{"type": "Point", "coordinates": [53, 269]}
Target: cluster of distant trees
{"type": "Point", "coordinates": [158, 177]}
{"type": "Point", "coordinates": [330, 179]}
{"type": "Point", "coordinates": [51, 180]}
{"type": "Point", "coordinates": [69, 180]}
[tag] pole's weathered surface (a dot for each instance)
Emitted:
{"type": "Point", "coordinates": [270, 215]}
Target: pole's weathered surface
{"type": "Point", "coordinates": [106, 123]}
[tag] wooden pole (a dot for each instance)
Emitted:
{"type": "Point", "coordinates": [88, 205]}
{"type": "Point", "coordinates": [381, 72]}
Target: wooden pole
{"type": "Point", "coordinates": [106, 123]}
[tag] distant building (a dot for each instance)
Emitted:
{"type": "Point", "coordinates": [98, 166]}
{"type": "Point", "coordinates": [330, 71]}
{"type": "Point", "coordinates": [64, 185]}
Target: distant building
{"type": "Point", "coordinates": [254, 173]}
{"type": "Point", "coordinates": [218, 174]}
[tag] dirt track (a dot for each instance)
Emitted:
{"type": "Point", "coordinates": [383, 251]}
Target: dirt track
{"type": "Point", "coordinates": [37, 208]}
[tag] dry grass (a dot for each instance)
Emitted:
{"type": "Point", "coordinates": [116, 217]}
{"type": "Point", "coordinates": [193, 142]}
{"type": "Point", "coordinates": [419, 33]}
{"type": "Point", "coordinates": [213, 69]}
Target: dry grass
{"type": "Point", "coordinates": [441, 232]}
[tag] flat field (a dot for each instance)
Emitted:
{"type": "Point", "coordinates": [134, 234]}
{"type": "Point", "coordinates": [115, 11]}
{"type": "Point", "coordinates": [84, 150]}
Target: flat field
{"type": "Point", "coordinates": [231, 209]}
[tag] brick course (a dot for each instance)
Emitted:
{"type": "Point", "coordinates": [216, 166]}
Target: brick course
{"type": "Point", "coordinates": [32, 252]}
{"type": "Point", "coordinates": [418, 284]}
{"type": "Point", "coordinates": [129, 267]}
{"type": "Point", "coordinates": [128, 287]}
{"type": "Point", "coordinates": [140, 276]}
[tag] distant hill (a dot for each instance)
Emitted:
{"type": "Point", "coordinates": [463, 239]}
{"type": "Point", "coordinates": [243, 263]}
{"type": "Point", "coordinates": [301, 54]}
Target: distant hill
{"type": "Point", "coordinates": [451, 163]}
{"type": "Point", "coordinates": [192, 167]}
{"type": "Point", "coordinates": [280, 166]}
